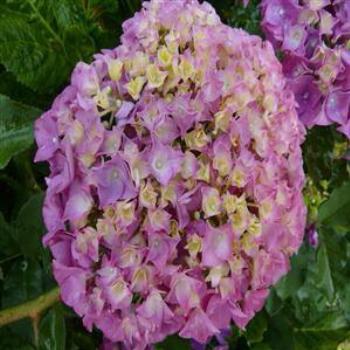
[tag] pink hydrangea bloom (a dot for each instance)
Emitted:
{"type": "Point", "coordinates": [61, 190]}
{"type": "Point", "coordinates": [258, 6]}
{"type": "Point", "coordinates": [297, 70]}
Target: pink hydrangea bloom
{"type": "Point", "coordinates": [174, 200]}
{"type": "Point", "coordinates": [314, 37]}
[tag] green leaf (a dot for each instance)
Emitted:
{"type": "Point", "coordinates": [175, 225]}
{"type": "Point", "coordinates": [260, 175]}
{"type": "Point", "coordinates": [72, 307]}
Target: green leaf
{"type": "Point", "coordinates": [22, 282]}
{"type": "Point", "coordinates": [16, 131]}
{"type": "Point", "coordinates": [273, 304]}
{"type": "Point", "coordinates": [324, 279]}
{"type": "Point", "coordinates": [34, 44]}
{"type": "Point", "coordinates": [279, 334]}
{"type": "Point", "coordinates": [256, 329]}
{"type": "Point", "coordinates": [30, 226]}
{"type": "Point", "coordinates": [26, 50]}
{"type": "Point", "coordinates": [10, 87]}
{"type": "Point", "coordinates": [329, 322]}
{"type": "Point", "coordinates": [11, 340]}
{"type": "Point", "coordinates": [289, 284]}
{"type": "Point", "coordinates": [173, 343]}
{"type": "Point", "coordinates": [260, 346]}
{"type": "Point", "coordinates": [53, 330]}
{"type": "Point", "coordinates": [336, 211]}
{"type": "Point", "coordinates": [8, 245]}
{"type": "Point", "coordinates": [321, 162]}
{"type": "Point", "coordinates": [306, 339]}
{"type": "Point", "coordinates": [236, 15]}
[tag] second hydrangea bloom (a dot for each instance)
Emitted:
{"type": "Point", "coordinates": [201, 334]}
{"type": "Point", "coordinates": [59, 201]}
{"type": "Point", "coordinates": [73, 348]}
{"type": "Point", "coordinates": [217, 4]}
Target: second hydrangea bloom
{"type": "Point", "coordinates": [314, 37]}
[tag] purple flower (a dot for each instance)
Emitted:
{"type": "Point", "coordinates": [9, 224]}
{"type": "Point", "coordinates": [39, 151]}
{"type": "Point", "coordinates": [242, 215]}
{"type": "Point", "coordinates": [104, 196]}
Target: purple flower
{"type": "Point", "coordinates": [85, 79]}
{"type": "Point", "coordinates": [72, 282]}
{"type": "Point", "coordinates": [165, 163]}
{"type": "Point", "coordinates": [294, 38]}
{"type": "Point", "coordinates": [47, 136]}
{"type": "Point", "coordinates": [124, 113]}
{"type": "Point", "coordinates": [277, 11]}
{"type": "Point", "coordinates": [308, 97]}
{"type": "Point", "coordinates": [216, 245]}
{"type": "Point", "coordinates": [312, 235]}
{"type": "Point", "coordinates": [79, 203]}
{"type": "Point", "coordinates": [337, 106]}
{"type": "Point", "coordinates": [154, 312]}
{"type": "Point", "coordinates": [198, 327]}
{"type": "Point", "coordinates": [161, 249]}
{"type": "Point", "coordinates": [113, 181]}
{"type": "Point", "coordinates": [118, 294]}
{"type": "Point", "coordinates": [182, 112]}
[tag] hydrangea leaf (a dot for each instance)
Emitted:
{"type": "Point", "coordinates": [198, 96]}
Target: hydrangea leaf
{"type": "Point", "coordinates": [53, 330]}
{"type": "Point", "coordinates": [34, 44]}
{"type": "Point", "coordinates": [336, 211]}
{"type": "Point", "coordinates": [290, 283]}
{"type": "Point", "coordinates": [27, 51]}
{"type": "Point", "coordinates": [8, 245]}
{"type": "Point", "coordinates": [173, 343]}
{"type": "Point", "coordinates": [23, 281]}
{"type": "Point", "coordinates": [30, 226]}
{"type": "Point", "coordinates": [256, 328]}
{"type": "Point", "coordinates": [16, 133]}
{"type": "Point", "coordinates": [321, 159]}
{"type": "Point", "coordinates": [306, 339]}
{"type": "Point", "coordinates": [11, 341]}
{"type": "Point", "coordinates": [279, 334]}
{"type": "Point", "coordinates": [15, 90]}
{"type": "Point", "coordinates": [324, 280]}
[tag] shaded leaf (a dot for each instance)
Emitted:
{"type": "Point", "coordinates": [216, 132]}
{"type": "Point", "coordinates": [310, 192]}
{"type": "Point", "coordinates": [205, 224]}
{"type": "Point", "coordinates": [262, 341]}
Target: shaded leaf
{"type": "Point", "coordinates": [8, 245]}
{"type": "Point", "coordinates": [10, 87]}
{"type": "Point", "coordinates": [53, 330]}
{"type": "Point", "coordinates": [319, 159]}
{"type": "Point", "coordinates": [273, 304]}
{"type": "Point", "coordinates": [290, 283]}
{"type": "Point", "coordinates": [279, 334]}
{"type": "Point", "coordinates": [324, 279]}
{"type": "Point", "coordinates": [16, 132]}
{"type": "Point", "coordinates": [22, 282]}
{"type": "Point", "coordinates": [30, 226]}
{"type": "Point", "coordinates": [173, 343]}
{"type": "Point", "coordinates": [11, 340]}
{"type": "Point", "coordinates": [256, 328]}
{"type": "Point", "coordinates": [260, 346]}
{"type": "Point", "coordinates": [306, 339]}
{"type": "Point", "coordinates": [336, 211]}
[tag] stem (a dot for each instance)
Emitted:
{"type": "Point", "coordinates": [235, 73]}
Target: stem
{"type": "Point", "coordinates": [35, 322]}
{"type": "Point", "coordinates": [9, 258]}
{"type": "Point", "coordinates": [30, 309]}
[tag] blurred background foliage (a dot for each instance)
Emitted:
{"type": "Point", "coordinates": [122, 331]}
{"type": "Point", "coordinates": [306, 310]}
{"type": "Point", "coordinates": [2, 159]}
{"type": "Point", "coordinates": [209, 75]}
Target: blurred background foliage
{"type": "Point", "coordinates": [40, 43]}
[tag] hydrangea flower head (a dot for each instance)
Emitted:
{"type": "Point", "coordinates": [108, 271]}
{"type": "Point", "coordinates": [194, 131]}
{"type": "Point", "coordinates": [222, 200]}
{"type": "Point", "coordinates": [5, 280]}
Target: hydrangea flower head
{"type": "Point", "coordinates": [174, 199]}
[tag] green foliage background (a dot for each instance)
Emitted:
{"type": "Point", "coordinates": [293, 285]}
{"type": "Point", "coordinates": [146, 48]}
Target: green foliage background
{"type": "Point", "coordinates": [40, 43]}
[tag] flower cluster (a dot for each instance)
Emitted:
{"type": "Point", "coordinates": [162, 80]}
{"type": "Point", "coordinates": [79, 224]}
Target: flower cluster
{"type": "Point", "coordinates": [314, 36]}
{"type": "Point", "coordinates": [174, 199]}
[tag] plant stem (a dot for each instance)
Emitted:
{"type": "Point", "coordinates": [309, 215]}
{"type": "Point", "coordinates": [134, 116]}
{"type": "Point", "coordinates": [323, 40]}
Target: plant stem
{"type": "Point", "coordinates": [9, 258]}
{"type": "Point", "coordinates": [35, 322]}
{"type": "Point", "coordinates": [30, 309]}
